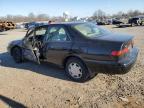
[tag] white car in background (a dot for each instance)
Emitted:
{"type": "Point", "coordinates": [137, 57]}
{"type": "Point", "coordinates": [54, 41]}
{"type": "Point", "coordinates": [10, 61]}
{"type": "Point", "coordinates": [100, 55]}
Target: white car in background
{"type": "Point", "coordinates": [19, 26]}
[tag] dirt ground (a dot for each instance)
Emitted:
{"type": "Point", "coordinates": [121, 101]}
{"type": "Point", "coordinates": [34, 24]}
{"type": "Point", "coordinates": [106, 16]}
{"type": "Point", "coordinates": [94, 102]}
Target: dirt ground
{"type": "Point", "coordinates": [46, 86]}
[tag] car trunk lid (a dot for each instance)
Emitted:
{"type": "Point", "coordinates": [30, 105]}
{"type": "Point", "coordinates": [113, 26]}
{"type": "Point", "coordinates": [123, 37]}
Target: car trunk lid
{"type": "Point", "coordinates": [110, 47]}
{"type": "Point", "coordinates": [115, 37]}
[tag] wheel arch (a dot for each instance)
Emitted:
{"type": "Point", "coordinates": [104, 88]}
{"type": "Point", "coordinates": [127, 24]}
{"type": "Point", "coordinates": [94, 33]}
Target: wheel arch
{"type": "Point", "coordinates": [71, 56]}
{"type": "Point", "coordinates": [92, 74]}
{"type": "Point", "coordinates": [15, 46]}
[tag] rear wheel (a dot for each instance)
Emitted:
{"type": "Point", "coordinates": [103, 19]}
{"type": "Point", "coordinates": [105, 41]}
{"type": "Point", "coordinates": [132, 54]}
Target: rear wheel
{"type": "Point", "coordinates": [77, 70]}
{"type": "Point", "coordinates": [132, 24]}
{"type": "Point", "coordinates": [16, 53]}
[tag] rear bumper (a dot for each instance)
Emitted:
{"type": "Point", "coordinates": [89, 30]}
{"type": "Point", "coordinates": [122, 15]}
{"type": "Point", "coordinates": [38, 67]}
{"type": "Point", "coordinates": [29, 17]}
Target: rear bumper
{"type": "Point", "coordinates": [130, 60]}
{"type": "Point", "coordinates": [122, 65]}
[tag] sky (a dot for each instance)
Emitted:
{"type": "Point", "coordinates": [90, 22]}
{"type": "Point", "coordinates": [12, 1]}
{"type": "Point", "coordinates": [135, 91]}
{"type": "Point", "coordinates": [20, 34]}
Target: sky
{"type": "Point", "coordinates": [81, 8]}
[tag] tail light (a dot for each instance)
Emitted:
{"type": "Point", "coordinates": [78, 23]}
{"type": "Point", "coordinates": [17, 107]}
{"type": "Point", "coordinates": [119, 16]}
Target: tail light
{"type": "Point", "coordinates": [125, 49]}
{"type": "Point", "coordinates": [121, 52]}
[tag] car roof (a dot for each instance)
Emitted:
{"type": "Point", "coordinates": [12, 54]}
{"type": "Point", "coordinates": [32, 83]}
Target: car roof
{"type": "Point", "coordinates": [69, 23]}
{"type": "Point", "coordinates": [140, 16]}
{"type": "Point", "coordinates": [64, 23]}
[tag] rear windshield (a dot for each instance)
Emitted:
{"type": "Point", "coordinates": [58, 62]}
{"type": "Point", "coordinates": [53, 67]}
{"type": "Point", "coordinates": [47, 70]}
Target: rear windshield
{"type": "Point", "coordinates": [90, 30]}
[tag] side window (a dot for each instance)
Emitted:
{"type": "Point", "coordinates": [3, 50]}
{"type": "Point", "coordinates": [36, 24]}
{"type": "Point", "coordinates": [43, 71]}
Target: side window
{"type": "Point", "coordinates": [57, 34]}
{"type": "Point", "coordinates": [62, 34]}
{"type": "Point", "coordinates": [40, 31]}
{"type": "Point", "coordinates": [53, 29]}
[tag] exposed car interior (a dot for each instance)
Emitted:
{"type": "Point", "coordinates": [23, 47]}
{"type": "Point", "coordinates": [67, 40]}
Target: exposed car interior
{"type": "Point", "coordinates": [36, 38]}
{"type": "Point", "coordinates": [56, 34]}
{"type": "Point", "coordinates": [34, 41]}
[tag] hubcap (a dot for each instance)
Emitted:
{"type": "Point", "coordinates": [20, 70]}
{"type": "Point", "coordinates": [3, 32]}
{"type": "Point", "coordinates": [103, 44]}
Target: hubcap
{"type": "Point", "coordinates": [75, 70]}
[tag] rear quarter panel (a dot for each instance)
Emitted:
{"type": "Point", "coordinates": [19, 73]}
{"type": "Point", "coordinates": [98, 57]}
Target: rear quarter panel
{"type": "Point", "coordinates": [101, 50]}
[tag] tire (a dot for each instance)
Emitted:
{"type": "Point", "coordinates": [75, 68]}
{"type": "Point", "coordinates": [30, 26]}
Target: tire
{"type": "Point", "coordinates": [74, 64]}
{"type": "Point", "coordinates": [132, 24]}
{"type": "Point", "coordinates": [16, 53]}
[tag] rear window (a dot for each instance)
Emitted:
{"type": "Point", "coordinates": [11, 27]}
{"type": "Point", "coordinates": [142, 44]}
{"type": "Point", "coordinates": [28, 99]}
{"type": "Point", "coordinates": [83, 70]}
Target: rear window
{"type": "Point", "coordinates": [89, 30]}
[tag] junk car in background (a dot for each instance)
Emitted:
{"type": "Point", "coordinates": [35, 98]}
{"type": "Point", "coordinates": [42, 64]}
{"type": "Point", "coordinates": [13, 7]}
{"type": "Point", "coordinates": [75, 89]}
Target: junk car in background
{"type": "Point", "coordinates": [4, 26]}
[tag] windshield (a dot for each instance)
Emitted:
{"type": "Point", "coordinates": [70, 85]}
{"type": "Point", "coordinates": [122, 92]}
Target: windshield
{"type": "Point", "coordinates": [90, 30]}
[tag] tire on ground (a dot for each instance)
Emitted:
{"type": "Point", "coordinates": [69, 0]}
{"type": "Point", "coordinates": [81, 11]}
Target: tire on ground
{"type": "Point", "coordinates": [16, 53]}
{"type": "Point", "coordinates": [85, 73]}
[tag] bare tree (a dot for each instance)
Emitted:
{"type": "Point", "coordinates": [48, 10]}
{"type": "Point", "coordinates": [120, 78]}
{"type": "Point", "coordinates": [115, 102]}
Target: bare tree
{"type": "Point", "coordinates": [132, 13]}
{"type": "Point", "coordinates": [42, 17]}
{"type": "Point", "coordinates": [9, 17]}
{"type": "Point", "coordinates": [99, 14]}
{"type": "Point", "coordinates": [31, 16]}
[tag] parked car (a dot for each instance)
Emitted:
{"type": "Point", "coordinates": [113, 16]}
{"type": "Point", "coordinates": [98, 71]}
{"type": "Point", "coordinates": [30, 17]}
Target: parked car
{"type": "Point", "coordinates": [28, 25]}
{"type": "Point", "coordinates": [80, 48]}
{"type": "Point", "coordinates": [20, 26]}
{"type": "Point", "coordinates": [138, 20]}
{"type": "Point", "coordinates": [117, 22]}
{"type": "Point", "coordinates": [33, 25]}
{"type": "Point", "coordinates": [109, 21]}
{"type": "Point", "coordinates": [101, 23]}
{"type": "Point", "coordinates": [94, 22]}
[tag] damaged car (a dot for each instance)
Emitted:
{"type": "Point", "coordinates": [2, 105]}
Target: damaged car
{"type": "Point", "coordinates": [80, 48]}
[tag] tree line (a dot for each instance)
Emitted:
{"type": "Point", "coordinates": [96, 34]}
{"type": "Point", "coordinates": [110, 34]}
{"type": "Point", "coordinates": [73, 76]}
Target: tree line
{"type": "Point", "coordinates": [98, 14]}
{"type": "Point", "coordinates": [29, 18]}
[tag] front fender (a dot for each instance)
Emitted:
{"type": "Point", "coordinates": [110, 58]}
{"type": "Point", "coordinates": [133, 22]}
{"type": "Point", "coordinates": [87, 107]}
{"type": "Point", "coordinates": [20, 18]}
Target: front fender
{"type": "Point", "coordinates": [17, 43]}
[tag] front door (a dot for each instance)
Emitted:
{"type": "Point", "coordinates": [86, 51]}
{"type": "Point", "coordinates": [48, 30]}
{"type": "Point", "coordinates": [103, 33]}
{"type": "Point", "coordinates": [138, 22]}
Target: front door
{"type": "Point", "coordinates": [32, 42]}
{"type": "Point", "coordinates": [58, 44]}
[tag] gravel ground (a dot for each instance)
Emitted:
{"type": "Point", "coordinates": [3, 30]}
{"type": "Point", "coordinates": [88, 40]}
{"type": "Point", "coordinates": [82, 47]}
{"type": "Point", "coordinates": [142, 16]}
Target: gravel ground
{"type": "Point", "coordinates": [46, 86]}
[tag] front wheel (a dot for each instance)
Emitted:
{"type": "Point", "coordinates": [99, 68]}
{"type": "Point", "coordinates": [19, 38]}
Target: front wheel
{"type": "Point", "coordinates": [16, 53]}
{"type": "Point", "coordinates": [77, 70]}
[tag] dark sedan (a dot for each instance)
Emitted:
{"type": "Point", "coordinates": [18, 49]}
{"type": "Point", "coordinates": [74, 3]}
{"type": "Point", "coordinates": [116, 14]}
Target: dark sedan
{"type": "Point", "coordinates": [138, 20]}
{"type": "Point", "coordinates": [80, 48]}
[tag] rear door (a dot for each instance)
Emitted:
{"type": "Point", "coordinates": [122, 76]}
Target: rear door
{"type": "Point", "coordinates": [58, 44]}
